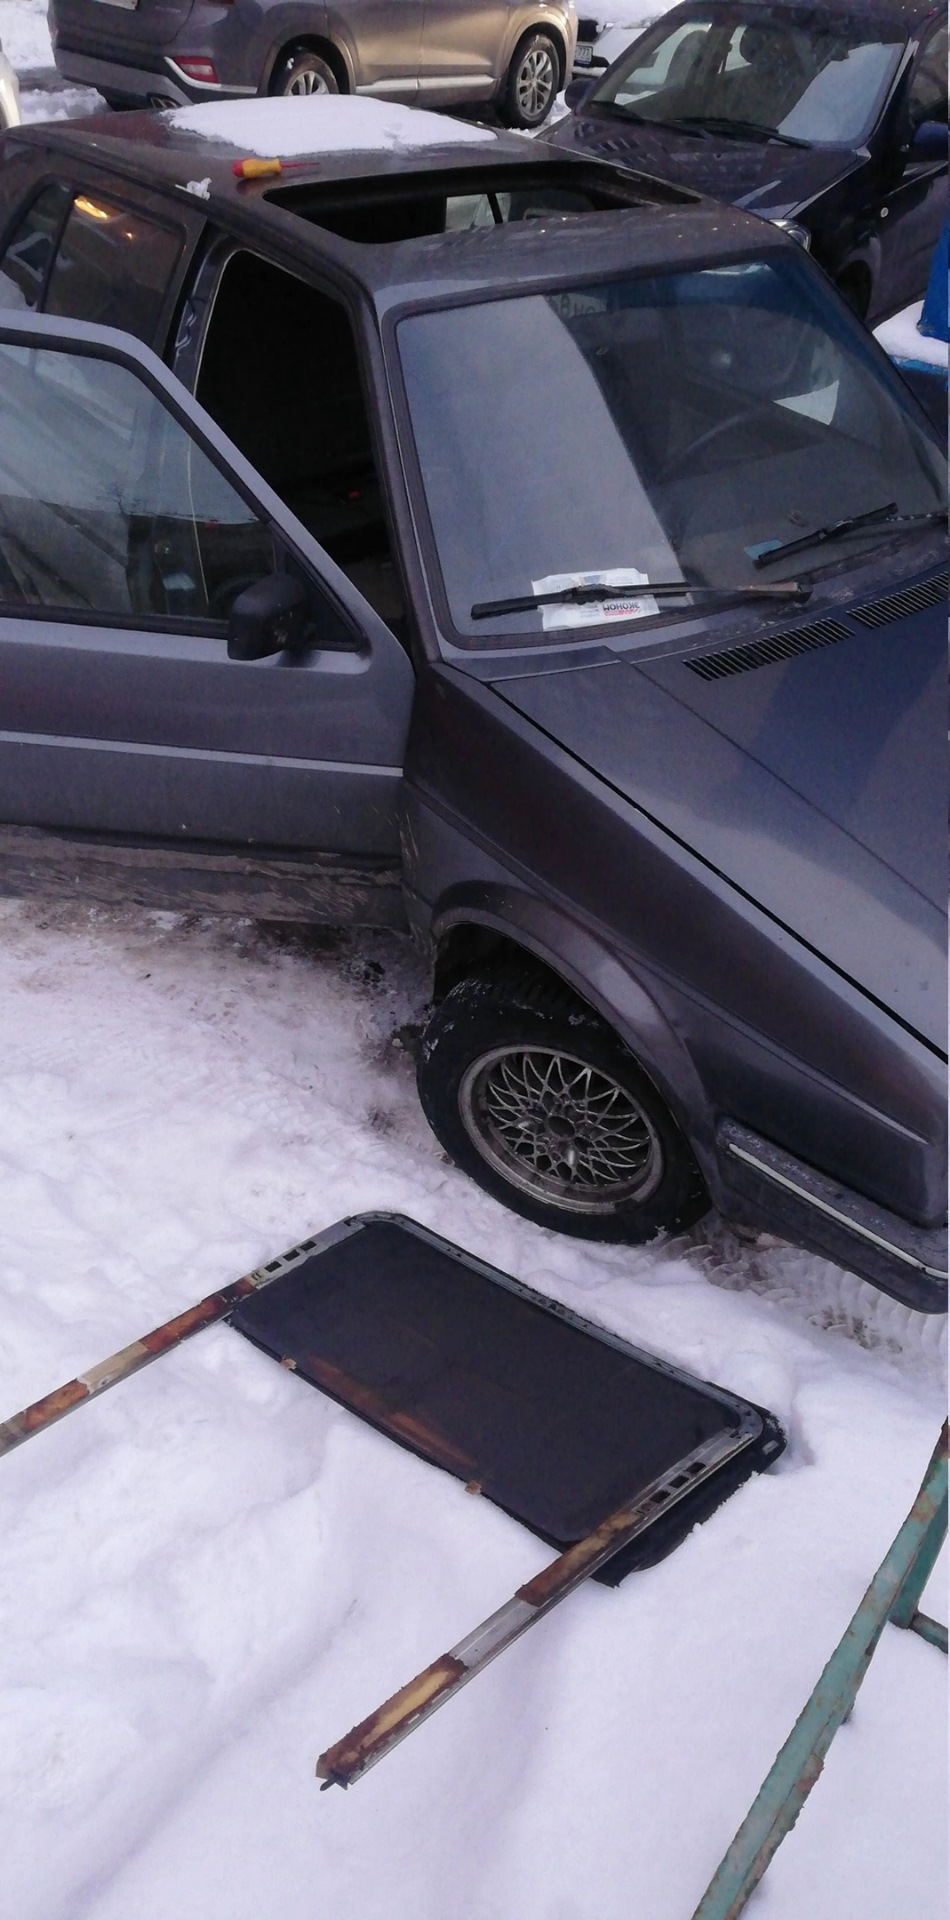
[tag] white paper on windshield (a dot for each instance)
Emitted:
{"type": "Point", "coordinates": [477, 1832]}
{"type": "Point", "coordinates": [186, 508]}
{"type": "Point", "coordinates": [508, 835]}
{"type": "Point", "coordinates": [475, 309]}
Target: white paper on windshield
{"type": "Point", "coordinates": [596, 613]}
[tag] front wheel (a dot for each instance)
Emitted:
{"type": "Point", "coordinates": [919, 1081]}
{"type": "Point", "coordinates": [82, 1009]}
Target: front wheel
{"type": "Point", "coordinates": [538, 1102]}
{"type": "Point", "coordinates": [301, 72]}
{"type": "Point", "coordinates": [531, 83]}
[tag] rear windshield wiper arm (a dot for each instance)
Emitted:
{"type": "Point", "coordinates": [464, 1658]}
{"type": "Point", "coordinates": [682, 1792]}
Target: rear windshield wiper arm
{"type": "Point", "coordinates": [887, 514]}
{"type": "Point", "coordinates": [579, 596]}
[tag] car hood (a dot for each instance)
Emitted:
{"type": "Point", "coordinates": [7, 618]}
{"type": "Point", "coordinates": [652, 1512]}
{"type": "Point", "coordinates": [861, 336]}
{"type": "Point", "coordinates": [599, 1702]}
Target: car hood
{"type": "Point", "coordinates": [816, 786]}
{"type": "Point", "coordinates": [763, 176]}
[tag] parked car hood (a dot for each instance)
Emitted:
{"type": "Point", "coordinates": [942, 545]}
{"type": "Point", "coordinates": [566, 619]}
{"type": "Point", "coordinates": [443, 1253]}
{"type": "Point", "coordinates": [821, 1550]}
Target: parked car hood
{"type": "Point", "coordinates": [763, 176]}
{"type": "Point", "coordinates": [816, 786]}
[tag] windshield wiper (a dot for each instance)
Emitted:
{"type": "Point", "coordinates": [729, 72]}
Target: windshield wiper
{"type": "Point", "coordinates": [580, 596]}
{"type": "Point", "coordinates": [611, 110]}
{"type": "Point", "coordinates": [886, 515]}
{"type": "Point", "coordinates": [734, 129]}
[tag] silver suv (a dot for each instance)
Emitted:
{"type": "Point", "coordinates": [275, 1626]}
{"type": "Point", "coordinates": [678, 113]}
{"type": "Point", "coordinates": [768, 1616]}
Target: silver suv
{"type": "Point", "coordinates": [513, 54]}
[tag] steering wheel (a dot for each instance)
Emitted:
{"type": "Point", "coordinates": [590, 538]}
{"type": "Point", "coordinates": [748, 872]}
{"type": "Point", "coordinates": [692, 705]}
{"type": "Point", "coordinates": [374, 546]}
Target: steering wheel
{"type": "Point", "coordinates": [713, 433]}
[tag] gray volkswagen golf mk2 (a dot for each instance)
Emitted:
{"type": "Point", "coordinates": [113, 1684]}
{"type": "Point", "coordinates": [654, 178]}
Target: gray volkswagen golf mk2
{"type": "Point", "coordinates": [575, 597]}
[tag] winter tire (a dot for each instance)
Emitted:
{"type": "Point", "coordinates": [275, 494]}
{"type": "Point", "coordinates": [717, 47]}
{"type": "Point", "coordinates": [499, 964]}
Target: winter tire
{"type": "Point", "coordinates": [532, 82]}
{"type": "Point", "coordinates": [301, 72]}
{"type": "Point", "coordinates": [538, 1102]}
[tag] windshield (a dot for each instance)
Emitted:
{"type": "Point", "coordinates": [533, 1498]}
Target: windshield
{"type": "Point", "coordinates": [811, 76]}
{"type": "Point", "coordinates": [669, 428]}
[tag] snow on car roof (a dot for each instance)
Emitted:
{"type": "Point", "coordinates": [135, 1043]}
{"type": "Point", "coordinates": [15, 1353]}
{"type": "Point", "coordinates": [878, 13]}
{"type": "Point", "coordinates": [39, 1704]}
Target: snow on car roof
{"type": "Point", "coordinates": [322, 123]}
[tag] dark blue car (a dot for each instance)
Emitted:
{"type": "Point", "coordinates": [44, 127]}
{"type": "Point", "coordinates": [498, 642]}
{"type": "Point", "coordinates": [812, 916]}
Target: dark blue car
{"type": "Point", "coordinates": [830, 120]}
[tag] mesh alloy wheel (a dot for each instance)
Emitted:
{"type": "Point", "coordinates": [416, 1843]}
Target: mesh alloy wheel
{"type": "Point", "coordinates": [559, 1129]}
{"type": "Point", "coordinates": [534, 1097]}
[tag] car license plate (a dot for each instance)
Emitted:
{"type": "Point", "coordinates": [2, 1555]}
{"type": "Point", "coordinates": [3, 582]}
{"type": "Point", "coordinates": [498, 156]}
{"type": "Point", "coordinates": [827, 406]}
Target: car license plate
{"type": "Point", "coordinates": [583, 55]}
{"type": "Point", "coordinates": [129, 5]}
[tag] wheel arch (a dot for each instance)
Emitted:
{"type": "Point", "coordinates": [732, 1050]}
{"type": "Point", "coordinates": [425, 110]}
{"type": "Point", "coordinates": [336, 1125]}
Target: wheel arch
{"type": "Point", "coordinates": [863, 262]}
{"type": "Point", "coordinates": [553, 33]}
{"type": "Point", "coordinates": [310, 43]}
{"type": "Point", "coordinates": [470, 934]}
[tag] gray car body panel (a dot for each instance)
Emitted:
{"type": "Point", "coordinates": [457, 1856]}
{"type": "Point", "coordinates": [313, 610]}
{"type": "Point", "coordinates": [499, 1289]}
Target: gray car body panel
{"type": "Point", "coordinates": [167, 738]}
{"type": "Point", "coordinates": [797, 781]}
{"type": "Point", "coordinates": [655, 900]}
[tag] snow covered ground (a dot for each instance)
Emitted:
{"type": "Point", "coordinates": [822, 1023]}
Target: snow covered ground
{"type": "Point", "coordinates": [24, 37]}
{"type": "Point", "coordinates": [209, 1575]}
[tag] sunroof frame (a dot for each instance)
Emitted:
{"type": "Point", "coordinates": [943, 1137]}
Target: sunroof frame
{"type": "Point", "coordinates": [275, 1320]}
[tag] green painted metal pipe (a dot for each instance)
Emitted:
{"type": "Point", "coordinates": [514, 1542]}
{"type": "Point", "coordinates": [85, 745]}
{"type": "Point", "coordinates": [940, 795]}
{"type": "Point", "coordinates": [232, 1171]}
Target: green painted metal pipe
{"type": "Point", "coordinates": [892, 1595]}
{"type": "Point", "coordinates": [931, 1630]}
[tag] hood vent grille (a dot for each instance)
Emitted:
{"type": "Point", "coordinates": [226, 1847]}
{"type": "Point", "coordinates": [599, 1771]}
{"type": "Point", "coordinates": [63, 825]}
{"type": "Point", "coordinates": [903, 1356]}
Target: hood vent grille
{"type": "Point", "coordinates": [897, 605]}
{"type": "Point", "coordinates": [766, 653]}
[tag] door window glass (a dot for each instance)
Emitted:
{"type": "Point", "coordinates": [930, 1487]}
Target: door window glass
{"type": "Point", "coordinates": [108, 508]}
{"type": "Point", "coordinates": [928, 89]}
{"type": "Point", "coordinates": [298, 413]}
{"type": "Point", "coordinates": [29, 249]}
{"type": "Point", "coordinates": [113, 266]}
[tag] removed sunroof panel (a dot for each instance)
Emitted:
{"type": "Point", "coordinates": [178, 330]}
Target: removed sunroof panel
{"type": "Point", "coordinates": [554, 1420]}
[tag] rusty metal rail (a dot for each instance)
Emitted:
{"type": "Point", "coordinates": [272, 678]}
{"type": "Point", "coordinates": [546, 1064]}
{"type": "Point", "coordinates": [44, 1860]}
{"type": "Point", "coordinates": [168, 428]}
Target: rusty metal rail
{"type": "Point", "coordinates": [375, 1736]}
{"type": "Point", "coordinates": [151, 1346]}
{"type": "Point", "coordinates": [892, 1596]}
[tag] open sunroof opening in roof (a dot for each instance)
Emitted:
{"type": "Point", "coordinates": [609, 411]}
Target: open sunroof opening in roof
{"type": "Point", "coordinates": [384, 212]}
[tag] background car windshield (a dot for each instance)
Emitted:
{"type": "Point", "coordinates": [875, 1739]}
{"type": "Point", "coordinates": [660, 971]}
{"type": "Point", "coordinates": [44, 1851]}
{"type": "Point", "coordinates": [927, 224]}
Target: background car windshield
{"type": "Point", "coordinates": [814, 77]}
{"type": "Point", "coordinates": [674, 426]}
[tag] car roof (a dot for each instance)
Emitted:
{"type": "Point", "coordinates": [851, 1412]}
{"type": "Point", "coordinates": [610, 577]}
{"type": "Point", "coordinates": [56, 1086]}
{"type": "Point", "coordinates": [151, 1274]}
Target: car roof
{"type": "Point", "coordinates": [319, 136]}
{"type": "Point", "coordinates": [904, 14]}
{"type": "Point", "coordinates": [335, 147]}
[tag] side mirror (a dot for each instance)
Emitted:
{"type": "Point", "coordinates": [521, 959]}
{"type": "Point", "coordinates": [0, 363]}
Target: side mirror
{"type": "Point", "coordinates": [576, 92]}
{"type": "Point", "coordinates": [930, 142]}
{"type": "Point", "coordinates": [267, 618]}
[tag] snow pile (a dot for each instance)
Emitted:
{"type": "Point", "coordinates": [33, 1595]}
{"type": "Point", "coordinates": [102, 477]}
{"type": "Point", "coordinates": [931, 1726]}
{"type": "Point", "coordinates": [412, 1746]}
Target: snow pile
{"type": "Point", "coordinates": [211, 1573]}
{"type": "Point", "coordinates": [24, 34]}
{"type": "Point", "coordinates": [24, 37]}
{"type": "Point", "coordinates": [899, 337]}
{"type": "Point", "coordinates": [323, 123]}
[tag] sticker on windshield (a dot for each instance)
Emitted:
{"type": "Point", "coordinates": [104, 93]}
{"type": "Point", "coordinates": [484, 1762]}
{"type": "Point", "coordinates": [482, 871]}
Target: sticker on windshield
{"type": "Point", "coordinates": [584, 612]}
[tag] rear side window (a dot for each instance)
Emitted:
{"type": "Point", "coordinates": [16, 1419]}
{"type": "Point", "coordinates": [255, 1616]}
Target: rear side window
{"type": "Point", "coordinates": [113, 266]}
{"type": "Point", "coordinates": [29, 250]}
{"type": "Point", "coordinates": [928, 89]}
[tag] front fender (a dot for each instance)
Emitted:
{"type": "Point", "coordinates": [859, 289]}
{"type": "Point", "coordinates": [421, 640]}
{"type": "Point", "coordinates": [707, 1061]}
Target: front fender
{"type": "Point", "coordinates": [592, 971]}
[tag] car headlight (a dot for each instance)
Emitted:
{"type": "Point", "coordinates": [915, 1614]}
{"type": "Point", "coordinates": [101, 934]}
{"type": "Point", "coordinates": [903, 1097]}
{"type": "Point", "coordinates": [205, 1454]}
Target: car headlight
{"type": "Point", "coordinates": [795, 231]}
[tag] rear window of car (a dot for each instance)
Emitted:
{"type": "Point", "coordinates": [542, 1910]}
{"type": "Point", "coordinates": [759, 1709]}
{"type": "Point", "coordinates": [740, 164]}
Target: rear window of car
{"type": "Point", "coordinates": [86, 258]}
{"type": "Point", "coordinates": [29, 249]}
{"type": "Point", "coordinates": [113, 266]}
